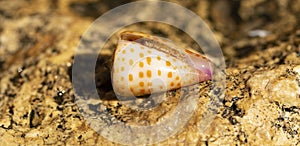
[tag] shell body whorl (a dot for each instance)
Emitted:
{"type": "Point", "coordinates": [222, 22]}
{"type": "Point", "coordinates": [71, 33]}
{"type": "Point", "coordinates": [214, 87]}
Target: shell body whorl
{"type": "Point", "coordinates": [145, 64]}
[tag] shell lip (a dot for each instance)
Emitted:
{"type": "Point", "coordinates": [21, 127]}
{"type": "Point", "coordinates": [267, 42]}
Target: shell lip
{"type": "Point", "coordinates": [130, 36]}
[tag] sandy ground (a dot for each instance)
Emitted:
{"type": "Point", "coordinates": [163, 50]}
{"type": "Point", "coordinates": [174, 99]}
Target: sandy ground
{"type": "Point", "coordinates": [261, 104]}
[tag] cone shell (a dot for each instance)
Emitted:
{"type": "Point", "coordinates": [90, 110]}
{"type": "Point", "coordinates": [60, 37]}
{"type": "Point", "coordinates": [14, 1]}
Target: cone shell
{"type": "Point", "coordinates": [145, 64]}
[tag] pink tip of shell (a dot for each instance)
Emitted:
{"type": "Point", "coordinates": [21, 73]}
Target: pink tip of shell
{"type": "Point", "coordinates": [203, 65]}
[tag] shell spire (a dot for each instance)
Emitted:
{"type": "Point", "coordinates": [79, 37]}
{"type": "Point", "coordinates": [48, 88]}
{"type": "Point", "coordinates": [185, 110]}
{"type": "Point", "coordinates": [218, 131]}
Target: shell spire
{"type": "Point", "coordinates": [145, 64]}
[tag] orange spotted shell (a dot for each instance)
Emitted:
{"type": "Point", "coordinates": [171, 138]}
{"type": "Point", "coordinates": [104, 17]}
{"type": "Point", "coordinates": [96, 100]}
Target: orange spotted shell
{"type": "Point", "coordinates": [145, 64]}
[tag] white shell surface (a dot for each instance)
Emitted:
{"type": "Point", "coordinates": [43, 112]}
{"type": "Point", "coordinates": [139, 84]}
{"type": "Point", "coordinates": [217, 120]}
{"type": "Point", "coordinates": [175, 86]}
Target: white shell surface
{"type": "Point", "coordinates": [140, 70]}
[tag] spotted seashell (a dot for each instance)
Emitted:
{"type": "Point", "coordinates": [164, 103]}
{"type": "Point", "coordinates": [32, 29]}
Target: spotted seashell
{"type": "Point", "coordinates": [145, 64]}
